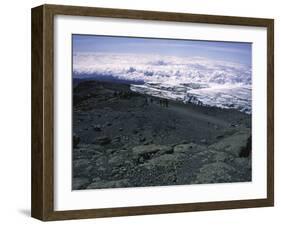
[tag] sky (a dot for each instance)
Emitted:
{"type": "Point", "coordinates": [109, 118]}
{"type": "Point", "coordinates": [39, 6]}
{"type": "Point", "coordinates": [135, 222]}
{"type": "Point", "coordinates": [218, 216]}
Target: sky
{"type": "Point", "coordinates": [236, 52]}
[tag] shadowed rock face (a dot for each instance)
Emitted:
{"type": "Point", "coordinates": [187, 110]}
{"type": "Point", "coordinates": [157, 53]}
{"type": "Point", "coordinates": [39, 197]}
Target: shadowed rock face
{"type": "Point", "coordinates": [122, 139]}
{"type": "Point", "coordinates": [246, 151]}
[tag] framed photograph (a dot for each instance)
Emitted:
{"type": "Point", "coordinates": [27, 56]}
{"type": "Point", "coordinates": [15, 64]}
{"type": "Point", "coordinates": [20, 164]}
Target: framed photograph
{"type": "Point", "coordinates": [141, 112]}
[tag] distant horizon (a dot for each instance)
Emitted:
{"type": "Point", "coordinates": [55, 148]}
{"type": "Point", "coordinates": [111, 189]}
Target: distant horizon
{"type": "Point", "coordinates": [235, 52]}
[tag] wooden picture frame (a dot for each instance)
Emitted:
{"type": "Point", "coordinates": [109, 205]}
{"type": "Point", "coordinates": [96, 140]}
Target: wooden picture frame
{"type": "Point", "coordinates": [43, 112]}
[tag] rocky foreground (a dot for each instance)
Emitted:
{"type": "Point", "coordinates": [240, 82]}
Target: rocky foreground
{"type": "Point", "coordinates": [124, 139]}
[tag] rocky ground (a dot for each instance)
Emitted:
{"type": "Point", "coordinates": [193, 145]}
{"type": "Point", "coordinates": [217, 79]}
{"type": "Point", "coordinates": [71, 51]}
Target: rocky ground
{"type": "Point", "coordinates": [124, 139]}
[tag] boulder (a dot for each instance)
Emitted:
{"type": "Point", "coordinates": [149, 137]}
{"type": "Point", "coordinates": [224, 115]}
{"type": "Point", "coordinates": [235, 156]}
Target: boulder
{"type": "Point", "coordinates": [148, 151]}
{"type": "Point", "coordinates": [165, 160]}
{"type": "Point", "coordinates": [87, 150]}
{"type": "Point", "coordinates": [188, 148]}
{"type": "Point", "coordinates": [232, 144]}
{"type": "Point", "coordinates": [103, 140]}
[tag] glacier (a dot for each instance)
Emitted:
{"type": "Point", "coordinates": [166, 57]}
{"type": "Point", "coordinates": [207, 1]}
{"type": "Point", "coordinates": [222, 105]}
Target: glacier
{"type": "Point", "coordinates": [222, 96]}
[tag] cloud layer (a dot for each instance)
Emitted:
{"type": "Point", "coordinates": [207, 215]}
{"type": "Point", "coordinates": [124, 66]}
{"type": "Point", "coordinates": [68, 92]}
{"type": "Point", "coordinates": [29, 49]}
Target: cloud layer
{"type": "Point", "coordinates": [156, 68]}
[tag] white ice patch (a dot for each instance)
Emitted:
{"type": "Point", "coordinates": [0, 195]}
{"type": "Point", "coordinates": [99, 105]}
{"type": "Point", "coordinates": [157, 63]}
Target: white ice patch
{"type": "Point", "coordinates": [224, 96]}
